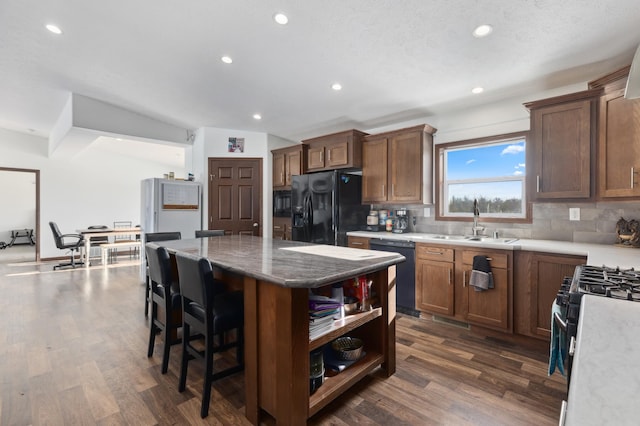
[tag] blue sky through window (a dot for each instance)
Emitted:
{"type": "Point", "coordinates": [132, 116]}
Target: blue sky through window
{"type": "Point", "coordinates": [505, 159]}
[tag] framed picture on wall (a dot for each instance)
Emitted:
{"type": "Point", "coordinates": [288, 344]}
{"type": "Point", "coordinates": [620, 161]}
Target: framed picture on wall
{"type": "Point", "coordinates": [236, 145]}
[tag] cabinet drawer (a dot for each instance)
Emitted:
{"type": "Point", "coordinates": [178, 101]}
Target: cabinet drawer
{"type": "Point", "coordinates": [429, 252]}
{"type": "Point", "coordinates": [358, 242]}
{"type": "Point", "coordinates": [497, 260]}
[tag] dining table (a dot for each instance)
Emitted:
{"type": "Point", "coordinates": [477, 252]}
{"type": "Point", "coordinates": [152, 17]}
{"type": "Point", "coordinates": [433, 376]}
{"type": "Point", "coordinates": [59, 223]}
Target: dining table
{"type": "Point", "coordinates": [89, 233]}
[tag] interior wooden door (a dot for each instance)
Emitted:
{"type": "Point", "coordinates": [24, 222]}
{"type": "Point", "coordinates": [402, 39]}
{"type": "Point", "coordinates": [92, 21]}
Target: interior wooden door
{"type": "Point", "coordinates": [235, 195]}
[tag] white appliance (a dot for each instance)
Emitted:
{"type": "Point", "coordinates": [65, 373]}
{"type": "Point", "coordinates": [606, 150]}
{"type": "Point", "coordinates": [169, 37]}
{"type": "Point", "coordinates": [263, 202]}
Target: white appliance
{"type": "Point", "coordinates": [171, 205]}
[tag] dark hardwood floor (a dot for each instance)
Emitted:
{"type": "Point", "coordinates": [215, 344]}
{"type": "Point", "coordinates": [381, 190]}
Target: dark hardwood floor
{"type": "Point", "coordinates": [73, 351]}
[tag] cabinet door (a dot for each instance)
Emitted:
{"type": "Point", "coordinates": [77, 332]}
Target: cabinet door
{"type": "Point", "coordinates": [405, 167]}
{"type": "Point", "coordinates": [293, 165]}
{"type": "Point", "coordinates": [315, 157]}
{"type": "Point", "coordinates": [374, 171]}
{"type": "Point", "coordinates": [562, 150]}
{"type": "Point", "coordinates": [279, 178]}
{"type": "Point", "coordinates": [547, 273]}
{"type": "Point", "coordinates": [489, 307]}
{"type": "Point", "coordinates": [618, 147]}
{"type": "Point", "coordinates": [434, 287]}
{"type": "Point", "coordinates": [337, 155]}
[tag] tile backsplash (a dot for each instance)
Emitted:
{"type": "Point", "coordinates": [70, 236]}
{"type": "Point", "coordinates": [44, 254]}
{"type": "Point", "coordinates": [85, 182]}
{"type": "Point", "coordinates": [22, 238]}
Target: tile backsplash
{"type": "Point", "coordinates": [597, 222]}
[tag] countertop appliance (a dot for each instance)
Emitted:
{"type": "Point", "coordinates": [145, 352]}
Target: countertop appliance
{"type": "Point", "coordinates": [622, 284]}
{"type": "Point", "coordinates": [171, 205]}
{"type": "Point", "coordinates": [405, 273]}
{"type": "Point", "coordinates": [400, 222]}
{"type": "Point", "coordinates": [325, 206]}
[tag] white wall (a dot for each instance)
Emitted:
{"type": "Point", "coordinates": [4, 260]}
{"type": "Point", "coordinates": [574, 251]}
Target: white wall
{"type": "Point", "coordinates": [95, 187]}
{"type": "Point", "coordinates": [18, 195]}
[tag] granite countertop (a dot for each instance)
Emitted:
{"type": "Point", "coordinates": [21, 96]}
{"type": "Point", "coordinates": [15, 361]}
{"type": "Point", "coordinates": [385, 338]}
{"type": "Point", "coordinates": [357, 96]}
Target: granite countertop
{"type": "Point", "coordinates": [605, 377]}
{"type": "Point", "coordinates": [287, 263]}
{"type": "Point", "coordinates": [597, 254]}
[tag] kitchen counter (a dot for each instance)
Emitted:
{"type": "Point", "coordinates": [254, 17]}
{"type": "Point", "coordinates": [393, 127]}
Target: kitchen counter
{"type": "Point", "coordinates": [597, 254]}
{"type": "Point", "coordinates": [286, 263]}
{"type": "Point", "coordinates": [605, 379]}
{"type": "Point", "coordinates": [275, 277]}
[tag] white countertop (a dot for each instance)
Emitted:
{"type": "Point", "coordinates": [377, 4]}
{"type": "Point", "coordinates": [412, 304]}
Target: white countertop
{"type": "Point", "coordinates": [605, 379]}
{"type": "Point", "coordinates": [597, 254]}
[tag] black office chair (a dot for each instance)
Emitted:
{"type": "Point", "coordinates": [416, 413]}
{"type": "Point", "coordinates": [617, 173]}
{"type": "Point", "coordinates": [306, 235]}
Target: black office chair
{"type": "Point", "coordinates": [71, 242]}
{"type": "Point", "coordinates": [209, 314]}
{"type": "Point", "coordinates": [204, 233]}
{"type": "Point", "coordinates": [165, 293]}
{"type": "Point", "coordinates": [150, 238]}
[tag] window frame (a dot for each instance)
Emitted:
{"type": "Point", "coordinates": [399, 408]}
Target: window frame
{"type": "Point", "coordinates": [484, 141]}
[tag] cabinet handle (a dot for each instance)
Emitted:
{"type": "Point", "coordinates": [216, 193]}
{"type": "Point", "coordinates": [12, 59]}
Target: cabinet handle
{"type": "Point", "coordinates": [449, 276]}
{"type": "Point", "coordinates": [633, 172]}
{"type": "Point", "coordinates": [328, 156]}
{"type": "Point", "coordinates": [383, 189]}
{"type": "Point", "coordinates": [281, 177]}
{"type": "Point", "coordinates": [322, 156]}
{"type": "Point", "coordinates": [572, 345]}
{"type": "Point", "coordinates": [489, 259]}
{"type": "Point", "coordinates": [356, 243]}
{"type": "Point", "coordinates": [464, 278]}
{"type": "Point", "coordinates": [538, 183]}
{"type": "Point", "coordinates": [393, 190]}
{"type": "Point", "coordinates": [563, 413]}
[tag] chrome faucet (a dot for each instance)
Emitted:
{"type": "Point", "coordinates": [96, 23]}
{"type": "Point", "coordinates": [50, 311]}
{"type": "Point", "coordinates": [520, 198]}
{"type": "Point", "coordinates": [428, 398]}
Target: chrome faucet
{"type": "Point", "coordinates": [476, 229]}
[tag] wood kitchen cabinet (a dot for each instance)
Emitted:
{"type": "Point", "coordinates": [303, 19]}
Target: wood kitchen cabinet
{"type": "Point", "coordinates": [335, 151]}
{"type": "Point", "coordinates": [538, 277]}
{"type": "Point", "coordinates": [281, 228]}
{"type": "Point", "coordinates": [618, 136]}
{"type": "Point", "coordinates": [442, 285]}
{"type": "Point", "coordinates": [435, 279]}
{"type": "Point", "coordinates": [396, 166]}
{"type": "Point", "coordinates": [492, 307]}
{"type": "Point", "coordinates": [561, 146]}
{"type": "Point", "coordinates": [287, 162]}
{"type": "Point", "coordinates": [358, 242]}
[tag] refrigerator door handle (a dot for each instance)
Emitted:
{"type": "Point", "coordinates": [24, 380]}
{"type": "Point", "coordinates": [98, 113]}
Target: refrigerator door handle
{"type": "Point", "coordinates": [310, 210]}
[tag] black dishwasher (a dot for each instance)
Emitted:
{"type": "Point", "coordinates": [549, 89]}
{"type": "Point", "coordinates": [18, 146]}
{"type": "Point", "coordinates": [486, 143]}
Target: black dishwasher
{"type": "Point", "coordinates": [405, 273]}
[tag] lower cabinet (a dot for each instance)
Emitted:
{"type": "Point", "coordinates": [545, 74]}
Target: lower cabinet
{"type": "Point", "coordinates": [490, 307]}
{"type": "Point", "coordinates": [538, 277]}
{"type": "Point", "coordinates": [281, 228]}
{"type": "Point", "coordinates": [358, 242]}
{"type": "Point", "coordinates": [435, 279]}
{"type": "Point", "coordinates": [442, 285]}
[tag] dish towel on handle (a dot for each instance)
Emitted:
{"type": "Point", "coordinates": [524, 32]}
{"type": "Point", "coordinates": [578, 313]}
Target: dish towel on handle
{"type": "Point", "coordinates": [481, 276]}
{"type": "Point", "coordinates": [558, 344]}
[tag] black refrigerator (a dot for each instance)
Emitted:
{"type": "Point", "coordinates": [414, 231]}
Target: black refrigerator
{"type": "Point", "coordinates": [325, 206]}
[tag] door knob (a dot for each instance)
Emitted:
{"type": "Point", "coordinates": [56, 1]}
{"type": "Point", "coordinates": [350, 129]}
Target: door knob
{"type": "Point", "coordinates": [255, 224]}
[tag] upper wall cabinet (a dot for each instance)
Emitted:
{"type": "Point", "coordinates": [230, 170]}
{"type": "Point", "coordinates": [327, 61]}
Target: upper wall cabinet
{"type": "Point", "coordinates": [561, 147]}
{"type": "Point", "coordinates": [618, 139]}
{"type": "Point", "coordinates": [397, 166]}
{"type": "Point", "coordinates": [287, 162]}
{"type": "Point", "coordinates": [336, 151]}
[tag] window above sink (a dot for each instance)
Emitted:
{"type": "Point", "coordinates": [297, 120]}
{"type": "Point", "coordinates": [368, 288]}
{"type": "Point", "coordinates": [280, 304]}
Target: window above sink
{"type": "Point", "coordinates": [490, 170]}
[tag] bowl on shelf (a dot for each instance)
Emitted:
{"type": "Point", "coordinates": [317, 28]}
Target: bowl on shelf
{"type": "Point", "coordinates": [351, 305]}
{"type": "Point", "coordinates": [348, 348]}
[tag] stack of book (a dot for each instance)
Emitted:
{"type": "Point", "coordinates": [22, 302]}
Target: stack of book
{"type": "Point", "coordinates": [322, 311]}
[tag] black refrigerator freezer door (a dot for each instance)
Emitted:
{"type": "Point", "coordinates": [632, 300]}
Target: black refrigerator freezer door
{"type": "Point", "coordinates": [300, 215]}
{"type": "Point", "coordinates": [322, 200]}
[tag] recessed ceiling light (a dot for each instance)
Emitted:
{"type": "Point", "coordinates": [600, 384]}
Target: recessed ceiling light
{"type": "Point", "coordinates": [281, 18]}
{"type": "Point", "coordinates": [257, 116]}
{"type": "Point", "coordinates": [54, 29]}
{"type": "Point", "coordinates": [336, 86]}
{"type": "Point", "coordinates": [482, 30]}
{"type": "Point", "coordinates": [226, 59]}
{"type": "Point", "coordinates": [477, 90]}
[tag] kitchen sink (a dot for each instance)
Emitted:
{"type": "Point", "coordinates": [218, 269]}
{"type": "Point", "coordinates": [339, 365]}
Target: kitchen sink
{"type": "Point", "coordinates": [488, 239]}
{"type": "Point", "coordinates": [449, 237]}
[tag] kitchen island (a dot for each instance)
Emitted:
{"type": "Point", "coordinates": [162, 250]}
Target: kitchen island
{"type": "Point", "coordinates": [276, 277]}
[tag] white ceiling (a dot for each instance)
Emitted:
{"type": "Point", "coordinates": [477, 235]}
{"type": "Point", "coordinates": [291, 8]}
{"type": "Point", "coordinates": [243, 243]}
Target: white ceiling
{"type": "Point", "coordinates": [396, 60]}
